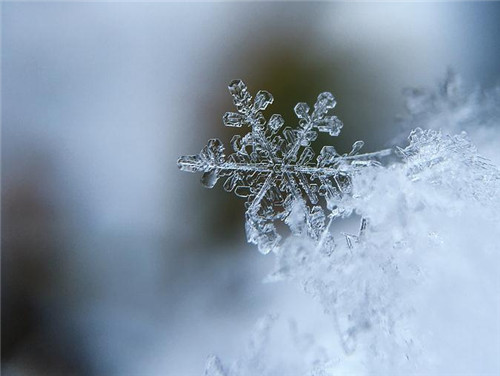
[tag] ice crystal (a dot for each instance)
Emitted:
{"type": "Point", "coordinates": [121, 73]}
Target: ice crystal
{"type": "Point", "coordinates": [275, 169]}
{"type": "Point", "coordinates": [431, 154]}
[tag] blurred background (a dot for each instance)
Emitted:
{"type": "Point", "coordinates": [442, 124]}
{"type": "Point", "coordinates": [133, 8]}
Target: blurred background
{"type": "Point", "coordinates": [113, 261]}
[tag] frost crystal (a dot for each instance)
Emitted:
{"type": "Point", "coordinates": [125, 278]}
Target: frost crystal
{"type": "Point", "coordinates": [431, 155]}
{"type": "Point", "coordinates": [275, 168]}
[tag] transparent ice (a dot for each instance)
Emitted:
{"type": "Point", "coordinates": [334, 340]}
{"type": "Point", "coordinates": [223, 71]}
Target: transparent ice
{"type": "Point", "coordinates": [276, 170]}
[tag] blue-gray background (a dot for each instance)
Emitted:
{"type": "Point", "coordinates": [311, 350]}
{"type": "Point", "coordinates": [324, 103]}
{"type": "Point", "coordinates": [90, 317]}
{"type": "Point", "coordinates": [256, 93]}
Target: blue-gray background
{"type": "Point", "coordinates": [114, 262]}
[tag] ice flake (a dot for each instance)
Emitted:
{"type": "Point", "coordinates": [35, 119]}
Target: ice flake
{"type": "Point", "coordinates": [450, 161]}
{"type": "Point", "coordinates": [276, 169]}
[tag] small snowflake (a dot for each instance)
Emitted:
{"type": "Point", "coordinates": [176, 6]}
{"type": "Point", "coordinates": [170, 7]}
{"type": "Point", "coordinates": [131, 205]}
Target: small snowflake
{"type": "Point", "coordinates": [274, 167]}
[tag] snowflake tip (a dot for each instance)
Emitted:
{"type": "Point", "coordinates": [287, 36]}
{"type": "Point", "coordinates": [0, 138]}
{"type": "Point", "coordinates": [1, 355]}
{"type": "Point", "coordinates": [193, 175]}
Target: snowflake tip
{"type": "Point", "coordinates": [357, 147]}
{"type": "Point", "coordinates": [232, 119]}
{"type": "Point", "coordinates": [325, 101]}
{"type": "Point", "coordinates": [209, 178]}
{"type": "Point", "coordinates": [241, 96]}
{"type": "Point", "coordinates": [262, 100]}
{"type": "Point", "coordinates": [275, 122]}
{"type": "Point", "coordinates": [301, 110]}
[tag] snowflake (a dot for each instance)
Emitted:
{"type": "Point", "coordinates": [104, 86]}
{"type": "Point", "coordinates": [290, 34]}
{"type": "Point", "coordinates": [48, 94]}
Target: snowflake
{"type": "Point", "coordinates": [274, 168]}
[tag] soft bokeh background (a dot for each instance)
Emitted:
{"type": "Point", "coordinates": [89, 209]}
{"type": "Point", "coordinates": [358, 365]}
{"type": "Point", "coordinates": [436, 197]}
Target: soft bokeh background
{"type": "Point", "coordinates": [114, 262]}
